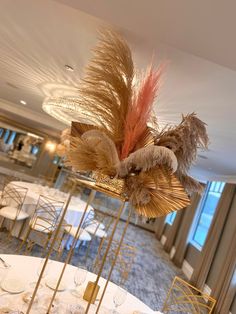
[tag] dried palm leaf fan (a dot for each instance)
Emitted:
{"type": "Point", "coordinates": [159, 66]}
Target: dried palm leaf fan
{"type": "Point", "coordinates": [126, 155]}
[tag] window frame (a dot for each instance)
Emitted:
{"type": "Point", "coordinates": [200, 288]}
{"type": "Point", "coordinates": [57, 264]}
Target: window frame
{"type": "Point", "coordinates": [169, 221]}
{"type": "Point", "coordinates": [198, 214]}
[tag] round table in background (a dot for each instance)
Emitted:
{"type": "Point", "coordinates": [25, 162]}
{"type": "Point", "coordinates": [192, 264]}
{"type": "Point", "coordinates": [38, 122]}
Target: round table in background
{"type": "Point", "coordinates": [25, 268]}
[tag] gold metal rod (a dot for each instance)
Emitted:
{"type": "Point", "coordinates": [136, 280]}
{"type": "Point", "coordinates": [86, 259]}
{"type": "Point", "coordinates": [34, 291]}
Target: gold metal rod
{"type": "Point", "coordinates": [50, 249]}
{"type": "Point", "coordinates": [71, 251]}
{"type": "Point", "coordinates": [105, 254]}
{"type": "Point", "coordinates": [115, 259]}
{"type": "Point", "coordinates": [91, 197]}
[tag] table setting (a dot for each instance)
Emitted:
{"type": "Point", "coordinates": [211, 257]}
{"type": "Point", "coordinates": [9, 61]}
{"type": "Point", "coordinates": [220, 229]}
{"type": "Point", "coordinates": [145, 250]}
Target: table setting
{"type": "Point", "coordinates": [18, 277]}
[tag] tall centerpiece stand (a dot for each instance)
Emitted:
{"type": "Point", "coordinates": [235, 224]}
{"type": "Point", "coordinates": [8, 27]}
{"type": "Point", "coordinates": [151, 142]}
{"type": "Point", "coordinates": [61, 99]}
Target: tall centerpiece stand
{"type": "Point", "coordinates": [115, 134]}
{"type": "Point", "coordinates": [92, 289]}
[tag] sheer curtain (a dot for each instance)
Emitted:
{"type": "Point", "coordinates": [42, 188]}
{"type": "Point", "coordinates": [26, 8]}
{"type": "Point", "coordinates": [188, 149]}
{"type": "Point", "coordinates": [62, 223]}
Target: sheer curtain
{"type": "Point", "coordinates": [160, 226]}
{"type": "Point", "coordinates": [173, 231]}
{"type": "Point", "coordinates": [184, 229]}
{"type": "Point", "coordinates": [214, 235]}
{"type": "Point", "coordinates": [225, 289]}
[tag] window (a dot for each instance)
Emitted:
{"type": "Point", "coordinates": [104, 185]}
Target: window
{"type": "Point", "coordinates": [170, 218]}
{"type": "Point", "coordinates": [206, 212]}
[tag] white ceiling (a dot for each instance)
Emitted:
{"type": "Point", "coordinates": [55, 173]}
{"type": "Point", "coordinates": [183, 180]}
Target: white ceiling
{"type": "Point", "coordinates": [37, 38]}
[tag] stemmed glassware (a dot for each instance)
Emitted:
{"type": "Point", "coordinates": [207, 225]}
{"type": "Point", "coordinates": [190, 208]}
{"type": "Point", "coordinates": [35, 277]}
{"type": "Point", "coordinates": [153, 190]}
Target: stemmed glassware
{"type": "Point", "coordinates": [39, 269]}
{"type": "Point", "coordinates": [79, 279]}
{"type": "Point", "coordinates": [119, 298]}
{"type": "Point", "coordinates": [4, 268]}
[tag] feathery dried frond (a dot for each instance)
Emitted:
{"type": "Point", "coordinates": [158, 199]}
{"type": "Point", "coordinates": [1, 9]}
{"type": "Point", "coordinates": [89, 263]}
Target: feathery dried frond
{"type": "Point", "coordinates": [184, 140]}
{"type": "Point", "coordinates": [140, 110]}
{"type": "Point", "coordinates": [147, 158]}
{"type": "Point", "coordinates": [190, 184]}
{"type": "Point", "coordinates": [106, 90]}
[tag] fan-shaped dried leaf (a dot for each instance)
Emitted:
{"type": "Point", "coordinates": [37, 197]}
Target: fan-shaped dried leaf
{"type": "Point", "coordinates": [93, 151]}
{"type": "Point", "coordinates": [156, 193]}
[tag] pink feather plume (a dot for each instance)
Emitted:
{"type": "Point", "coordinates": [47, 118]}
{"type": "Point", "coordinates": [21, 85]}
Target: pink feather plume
{"type": "Point", "coordinates": [140, 109]}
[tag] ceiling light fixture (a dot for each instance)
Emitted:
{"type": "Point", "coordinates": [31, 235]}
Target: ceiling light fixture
{"type": "Point", "coordinates": [67, 109]}
{"type": "Point", "coordinates": [69, 68]}
{"type": "Point", "coordinates": [23, 102]}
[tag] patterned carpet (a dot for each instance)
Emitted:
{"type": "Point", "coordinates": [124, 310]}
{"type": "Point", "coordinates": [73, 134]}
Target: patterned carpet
{"type": "Point", "coordinates": [150, 276]}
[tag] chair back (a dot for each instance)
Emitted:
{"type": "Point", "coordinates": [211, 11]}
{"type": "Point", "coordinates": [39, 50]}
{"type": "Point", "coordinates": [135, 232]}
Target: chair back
{"type": "Point", "coordinates": [185, 298]}
{"type": "Point", "coordinates": [47, 213]}
{"type": "Point", "coordinates": [99, 219]}
{"type": "Point", "coordinates": [13, 195]}
{"type": "Point", "coordinates": [125, 256]}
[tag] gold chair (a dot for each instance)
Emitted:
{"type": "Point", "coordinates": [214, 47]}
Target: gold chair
{"type": "Point", "coordinates": [43, 223]}
{"type": "Point", "coordinates": [124, 256]}
{"type": "Point", "coordinates": [185, 298]}
{"type": "Point", "coordinates": [12, 200]}
{"type": "Point", "coordinates": [97, 224]}
{"type": "Point", "coordinates": [68, 231]}
{"type": "Point", "coordinates": [5, 180]}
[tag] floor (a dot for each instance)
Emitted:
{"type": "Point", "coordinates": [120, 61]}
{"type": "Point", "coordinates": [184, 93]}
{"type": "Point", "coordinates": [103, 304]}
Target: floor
{"type": "Point", "coordinates": [151, 273]}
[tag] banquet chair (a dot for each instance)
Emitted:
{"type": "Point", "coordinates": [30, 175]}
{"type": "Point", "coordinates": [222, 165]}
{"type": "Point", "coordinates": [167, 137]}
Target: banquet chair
{"type": "Point", "coordinates": [5, 180]}
{"type": "Point", "coordinates": [12, 200]}
{"type": "Point", "coordinates": [122, 258]}
{"type": "Point", "coordinates": [43, 223]}
{"type": "Point", "coordinates": [97, 224]}
{"type": "Point", "coordinates": [185, 298]}
{"type": "Point", "coordinates": [68, 231]}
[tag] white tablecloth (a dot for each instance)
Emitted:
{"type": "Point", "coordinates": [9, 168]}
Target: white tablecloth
{"type": "Point", "coordinates": [74, 212]}
{"type": "Point", "coordinates": [25, 268]}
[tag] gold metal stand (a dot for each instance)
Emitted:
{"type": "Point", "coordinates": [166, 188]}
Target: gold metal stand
{"type": "Point", "coordinates": [50, 249]}
{"type": "Point", "coordinates": [115, 259]}
{"type": "Point", "coordinates": [93, 187]}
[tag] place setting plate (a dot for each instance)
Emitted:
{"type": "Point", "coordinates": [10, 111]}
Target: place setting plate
{"type": "Point", "coordinates": [13, 285]}
{"type": "Point", "coordinates": [52, 283]}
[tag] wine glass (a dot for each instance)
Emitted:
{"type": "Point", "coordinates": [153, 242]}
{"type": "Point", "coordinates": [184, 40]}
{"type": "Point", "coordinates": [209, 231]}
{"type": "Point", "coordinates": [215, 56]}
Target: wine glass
{"type": "Point", "coordinates": [4, 268]}
{"type": "Point", "coordinates": [79, 279]}
{"type": "Point", "coordinates": [119, 298]}
{"type": "Point", "coordinates": [39, 269]}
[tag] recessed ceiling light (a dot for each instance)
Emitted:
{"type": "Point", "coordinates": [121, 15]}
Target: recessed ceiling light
{"type": "Point", "coordinates": [12, 85]}
{"type": "Point", "coordinates": [23, 102]}
{"type": "Point", "coordinates": [69, 68]}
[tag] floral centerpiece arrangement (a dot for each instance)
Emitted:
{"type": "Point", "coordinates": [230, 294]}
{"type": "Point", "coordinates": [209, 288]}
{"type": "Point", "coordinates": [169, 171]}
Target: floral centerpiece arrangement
{"type": "Point", "coordinates": [118, 137]}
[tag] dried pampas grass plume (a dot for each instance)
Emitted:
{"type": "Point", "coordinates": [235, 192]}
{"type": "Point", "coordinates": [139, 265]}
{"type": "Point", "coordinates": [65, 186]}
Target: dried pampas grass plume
{"type": "Point", "coordinates": [140, 109]}
{"type": "Point", "coordinates": [106, 90]}
{"type": "Point", "coordinates": [184, 140]}
{"type": "Point", "coordinates": [190, 184]}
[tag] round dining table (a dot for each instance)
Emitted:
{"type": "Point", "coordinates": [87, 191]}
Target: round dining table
{"type": "Point", "coordinates": [74, 211]}
{"type": "Point", "coordinates": [23, 269]}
